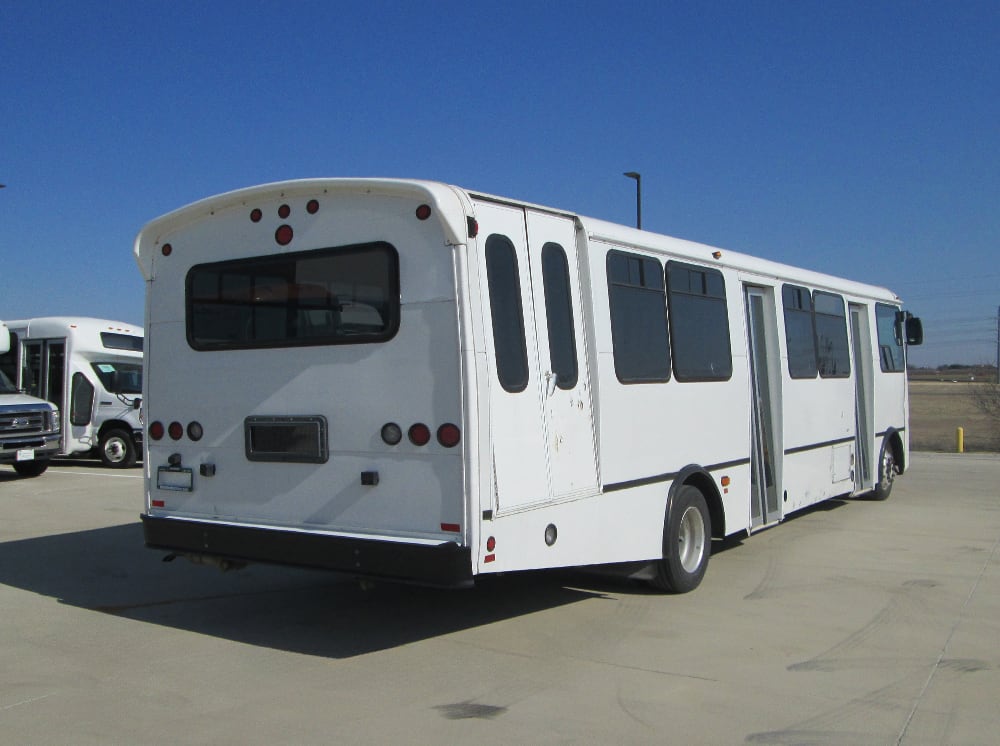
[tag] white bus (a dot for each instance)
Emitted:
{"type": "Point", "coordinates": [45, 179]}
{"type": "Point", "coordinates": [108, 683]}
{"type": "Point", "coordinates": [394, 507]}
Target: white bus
{"type": "Point", "coordinates": [408, 380]}
{"type": "Point", "coordinates": [92, 370]}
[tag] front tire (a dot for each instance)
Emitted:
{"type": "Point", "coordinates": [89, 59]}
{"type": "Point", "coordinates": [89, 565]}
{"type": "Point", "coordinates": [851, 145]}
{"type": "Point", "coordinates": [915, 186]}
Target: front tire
{"type": "Point", "coordinates": [117, 449]}
{"type": "Point", "coordinates": [886, 473]}
{"type": "Point", "coordinates": [31, 468]}
{"type": "Point", "coordinates": [687, 543]}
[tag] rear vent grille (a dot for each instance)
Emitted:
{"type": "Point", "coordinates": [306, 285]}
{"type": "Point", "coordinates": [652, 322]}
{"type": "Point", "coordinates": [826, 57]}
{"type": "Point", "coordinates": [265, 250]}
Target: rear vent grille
{"type": "Point", "coordinates": [300, 439]}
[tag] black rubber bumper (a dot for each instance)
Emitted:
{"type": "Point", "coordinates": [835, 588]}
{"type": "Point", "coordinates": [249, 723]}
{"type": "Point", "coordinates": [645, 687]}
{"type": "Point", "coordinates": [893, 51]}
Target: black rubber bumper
{"type": "Point", "coordinates": [445, 564]}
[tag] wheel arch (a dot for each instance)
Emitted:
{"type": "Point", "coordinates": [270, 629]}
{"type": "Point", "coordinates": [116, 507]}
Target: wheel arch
{"type": "Point", "coordinates": [115, 425]}
{"type": "Point", "coordinates": [699, 478]}
{"type": "Point", "coordinates": [893, 439]}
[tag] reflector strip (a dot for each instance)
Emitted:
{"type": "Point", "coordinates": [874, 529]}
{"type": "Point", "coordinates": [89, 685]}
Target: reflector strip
{"type": "Point", "coordinates": [489, 558]}
{"type": "Point", "coordinates": [451, 527]}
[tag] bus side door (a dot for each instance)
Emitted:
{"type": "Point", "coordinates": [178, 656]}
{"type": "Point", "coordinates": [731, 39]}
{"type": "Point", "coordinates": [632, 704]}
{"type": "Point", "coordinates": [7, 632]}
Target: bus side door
{"type": "Point", "coordinates": [562, 354]}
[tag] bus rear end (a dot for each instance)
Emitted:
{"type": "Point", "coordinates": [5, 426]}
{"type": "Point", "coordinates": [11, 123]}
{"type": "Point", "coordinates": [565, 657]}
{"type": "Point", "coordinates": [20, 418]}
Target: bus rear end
{"type": "Point", "coordinates": [303, 380]}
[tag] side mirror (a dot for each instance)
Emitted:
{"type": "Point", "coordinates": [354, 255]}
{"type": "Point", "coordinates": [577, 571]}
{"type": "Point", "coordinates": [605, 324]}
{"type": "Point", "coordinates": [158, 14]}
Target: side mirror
{"type": "Point", "coordinates": [914, 331]}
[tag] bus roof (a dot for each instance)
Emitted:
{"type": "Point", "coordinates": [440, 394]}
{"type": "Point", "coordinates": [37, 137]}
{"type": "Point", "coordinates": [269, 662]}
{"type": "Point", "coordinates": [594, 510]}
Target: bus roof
{"type": "Point", "coordinates": [61, 326]}
{"type": "Point", "coordinates": [451, 204]}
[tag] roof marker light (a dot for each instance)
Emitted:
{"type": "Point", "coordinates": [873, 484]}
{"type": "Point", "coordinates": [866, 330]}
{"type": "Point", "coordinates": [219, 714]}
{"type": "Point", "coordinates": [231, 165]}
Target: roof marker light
{"type": "Point", "coordinates": [284, 211]}
{"type": "Point", "coordinates": [283, 235]}
{"type": "Point", "coordinates": [312, 206]}
{"type": "Point", "coordinates": [256, 215]}
{"type": "Point", "coordinates": [166, 249]}
{"type": "Point", "coordinates": [423, 212]}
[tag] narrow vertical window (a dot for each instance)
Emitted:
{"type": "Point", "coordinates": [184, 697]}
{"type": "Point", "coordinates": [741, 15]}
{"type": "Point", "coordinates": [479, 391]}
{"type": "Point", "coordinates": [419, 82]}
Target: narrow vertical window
{"type": "Point", "coordinates": [559, 315]}
{"type": "Point", "coordinates": [833, 356]}
{"type": "Point", "coordinates": [506, 313]}
{"type": "Point", "coordinates": [800, 338]}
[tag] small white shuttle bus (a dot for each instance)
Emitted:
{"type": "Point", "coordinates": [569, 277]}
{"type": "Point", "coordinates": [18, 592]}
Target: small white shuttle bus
{"type": "Point", "coordinates": [409, 380]}
{"type": "Point", "coordinates": [92, 370]}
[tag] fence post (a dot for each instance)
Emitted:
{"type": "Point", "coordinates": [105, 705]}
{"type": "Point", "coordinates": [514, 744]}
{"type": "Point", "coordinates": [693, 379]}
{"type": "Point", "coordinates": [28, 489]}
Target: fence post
{"type": "Point", "coordinates": [960, 440]}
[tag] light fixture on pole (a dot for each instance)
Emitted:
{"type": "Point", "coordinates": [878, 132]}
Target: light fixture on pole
{"type": "Point", "coordinates": [638, 196]}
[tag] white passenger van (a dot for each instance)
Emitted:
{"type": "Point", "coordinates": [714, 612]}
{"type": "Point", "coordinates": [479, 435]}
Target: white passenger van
{"type": "Point", "coordinates": [409, 380]}
{"type": "Point", "coordinates": [29, 426]}
{"type": "Point", "coordinates": [92, 370]}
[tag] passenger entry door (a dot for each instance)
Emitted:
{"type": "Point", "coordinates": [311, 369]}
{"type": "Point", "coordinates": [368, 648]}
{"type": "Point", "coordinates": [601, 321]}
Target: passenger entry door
{"type": "Point", "coordinates": [562, 354]}
{"type": "Point", "coordinates": [765, 446]}
{"type": "Point", "coordinates": [861, 344]}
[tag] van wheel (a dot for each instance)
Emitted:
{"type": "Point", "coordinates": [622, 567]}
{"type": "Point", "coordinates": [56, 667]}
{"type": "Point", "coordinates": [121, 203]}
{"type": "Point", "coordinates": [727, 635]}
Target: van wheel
{"type": "Point", "coordinates": [31, 468]}
{"type": "Point", "coordinates": [886, 473]}
{"type": "Point", "coordinates": [117, 449]}
{"type": "Point", "coordinates": [687, 543]}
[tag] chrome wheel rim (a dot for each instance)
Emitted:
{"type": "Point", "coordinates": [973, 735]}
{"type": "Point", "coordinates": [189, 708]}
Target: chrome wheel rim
{"type": "Point", "coordinates": [691, 539]}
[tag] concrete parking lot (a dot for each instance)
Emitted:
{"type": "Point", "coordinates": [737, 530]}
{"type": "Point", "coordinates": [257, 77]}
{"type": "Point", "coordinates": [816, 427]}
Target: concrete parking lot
{"type": "Point", "coordinates": [856, 622]}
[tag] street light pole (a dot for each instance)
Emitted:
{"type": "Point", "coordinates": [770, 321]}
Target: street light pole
{"type": "Point", "coordinates": [638, 196]}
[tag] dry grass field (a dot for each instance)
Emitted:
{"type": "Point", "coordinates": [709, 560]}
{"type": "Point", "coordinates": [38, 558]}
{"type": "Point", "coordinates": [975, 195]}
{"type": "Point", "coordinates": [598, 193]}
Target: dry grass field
{"type": "Point", "coordinates": [937, 409]}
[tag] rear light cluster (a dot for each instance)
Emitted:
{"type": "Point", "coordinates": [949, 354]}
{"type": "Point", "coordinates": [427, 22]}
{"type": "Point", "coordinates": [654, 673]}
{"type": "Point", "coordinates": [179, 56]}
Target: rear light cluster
{"type": "Point", "coordinates": [419, 434]}
{"type": "Point", "coordinates": [284, 233]}
{"type": "Point", "coordinates": [175, 430]}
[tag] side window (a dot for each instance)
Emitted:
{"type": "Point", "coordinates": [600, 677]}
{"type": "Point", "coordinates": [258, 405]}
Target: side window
{"type": "Point", "coordinates": [559, 315]}
{"type": "Point", "coordinates": [81, 403]}
{"type": "Point", "coordinates": [638, 318]}
{"type": "Point", "coordinates": [799, 336]}
{"type": "Point", "coordinates": [833, 358]}
{"type": "Point", "coordinates": [506, 313]}
{"type": "Point", "coordinates": [890, 345]}
{"type": "Point", "coordinates": [699, 323]}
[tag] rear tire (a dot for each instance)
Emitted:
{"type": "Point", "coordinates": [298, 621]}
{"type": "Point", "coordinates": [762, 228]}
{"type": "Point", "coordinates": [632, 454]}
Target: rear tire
{"type": "Point", "coordinates": [31, 468]}
{"type": "Point", "coordinates": [117, 449]}
{"type": "Point", "coordinates": [886, 473]}
{"type": "Point", "coordinates": [687, 543]}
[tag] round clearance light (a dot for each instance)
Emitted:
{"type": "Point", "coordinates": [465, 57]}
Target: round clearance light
{"type": "Point", "coordinates": [156, 430]}
{"type": "Point", "coordinates": [491, 544]}
{"type": "Point", "coordinates": [312, 206]}
{"type": "Point", "coordinates": [550, 534]}
{"type": "Point", "coordinates": [449, 435]}
{"type": "Point", "coordinates": [391, 433]}
{"type": "Point", "coordinates": [419, 434]}
{"type": "Point", "coordinates": [166, 249]}
{"type": "Point", "coordinates": [284, 211]}
{"type": "Point", "coordinates": [256, 215]}
{"type": "Point", "coordinates": [423, 212]}
{"type": "Point", "coordinates": [195, 431]}
{"type": "Point", "coordinates": [283, 235]}
{"type": "Point", "coordinates": [175, 430]}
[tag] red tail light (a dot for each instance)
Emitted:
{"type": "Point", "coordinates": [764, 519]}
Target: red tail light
{"type": "Point", "coordinates": [449, 435]}
{"type": "Point", "coordinates": [419, 434]}
{"type": "Point", "coordinates": [156, 430]}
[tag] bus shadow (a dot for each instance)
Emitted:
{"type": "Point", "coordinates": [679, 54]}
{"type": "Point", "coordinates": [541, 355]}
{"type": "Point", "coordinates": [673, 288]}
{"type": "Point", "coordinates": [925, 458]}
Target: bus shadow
{"type": "Point", "coordinates": [108, 570]}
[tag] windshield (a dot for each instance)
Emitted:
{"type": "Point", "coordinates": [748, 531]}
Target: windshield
{"type": "Point", "coordinates": [6, 386]}
{"type": "Point", "coordinates": [120, 378]}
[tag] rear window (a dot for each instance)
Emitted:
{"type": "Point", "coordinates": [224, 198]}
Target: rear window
{"type": "Point", "coordinates": [340, 295]}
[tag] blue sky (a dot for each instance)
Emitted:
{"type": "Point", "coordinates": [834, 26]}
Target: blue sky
{"type": "Point", "coordinates": [856, 138]}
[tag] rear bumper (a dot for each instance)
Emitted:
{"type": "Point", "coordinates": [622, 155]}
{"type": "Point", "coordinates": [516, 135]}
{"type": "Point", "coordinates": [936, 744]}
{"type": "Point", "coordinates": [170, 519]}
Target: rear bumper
{"type": "Point", "coordinates": [445, 564]}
